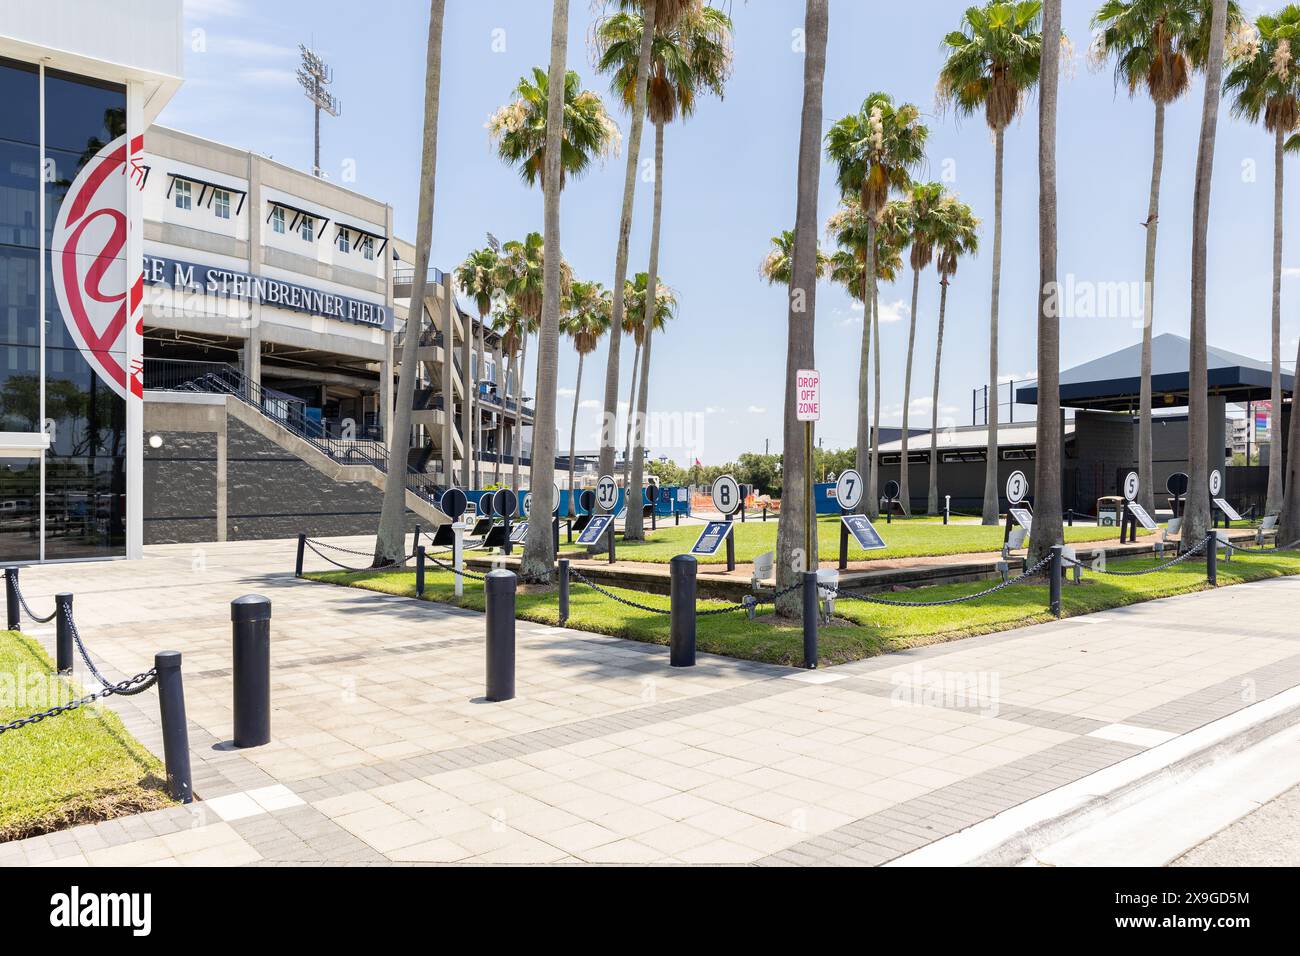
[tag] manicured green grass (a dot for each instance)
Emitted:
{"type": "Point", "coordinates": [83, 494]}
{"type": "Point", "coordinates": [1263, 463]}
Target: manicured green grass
{"type": "Point", "coordinates": [909, 538]}
{"type": "Point", "coordinates": [79, 767]}
{"type": "Point", "coordinates": [862, 629]}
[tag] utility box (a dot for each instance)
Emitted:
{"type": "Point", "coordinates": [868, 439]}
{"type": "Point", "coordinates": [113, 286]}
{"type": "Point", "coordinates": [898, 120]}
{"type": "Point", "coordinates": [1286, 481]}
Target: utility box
{"type": "Point", "coordinates": [1109, 511]}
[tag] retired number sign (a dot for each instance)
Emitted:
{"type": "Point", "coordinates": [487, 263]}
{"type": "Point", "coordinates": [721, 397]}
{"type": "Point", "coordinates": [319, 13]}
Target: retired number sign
{"type": "Point", "coordinates": [848, 489]}
{"type": "Point", "coordinates": [1131, 486]}
{"type": "Point", "coordinates": [1017, 487]}
{"type": "Point", "coordinates": [607, 493]}
{"type": "Point", "coordinates": [726, 495]}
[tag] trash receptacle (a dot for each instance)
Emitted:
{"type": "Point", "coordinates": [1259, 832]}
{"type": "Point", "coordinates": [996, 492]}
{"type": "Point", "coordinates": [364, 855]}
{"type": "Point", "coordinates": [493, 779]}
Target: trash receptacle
{"type": "Point", "coordinates": [828, 579]}
{"type": "Point", "coordinates": [1110, 510]}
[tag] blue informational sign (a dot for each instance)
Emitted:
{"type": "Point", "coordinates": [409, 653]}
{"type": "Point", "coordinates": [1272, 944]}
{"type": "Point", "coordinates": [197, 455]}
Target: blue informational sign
{"type": "Point", "coordinates": [595, 529]}
{"type": "Point", "coordinates": [711, 538]}
{"type": "Point", "coordinates": [864, 533]}
{"type": "Point", "coordinates": [519, 532]}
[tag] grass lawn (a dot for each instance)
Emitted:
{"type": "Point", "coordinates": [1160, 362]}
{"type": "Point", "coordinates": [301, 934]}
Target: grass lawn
{"type": "Point", "coordinates": [906, 538]}
{"type": "Point", "coordinates": [79, 767]}
{"type": "Point", "coordinates": [862, 630]}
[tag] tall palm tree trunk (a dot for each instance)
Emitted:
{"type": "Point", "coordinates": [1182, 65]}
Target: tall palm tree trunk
{"type": "Point", "coordinates": [1047, 465]}
{"type": "Point", "coordinates": [1273, 498]}
{"type": "Point", "coordinates": [631, 413]}
{"type": "Point", "coordinates": [538, 559]}
{"type": "Point", "coordinates": [504, 372]}
{"type": "Point", "coordinates": [609, 420]}
{"type": "Point", "coordinates": [1146, 474]}
{"type": "Point", "coordinates": [634, 528]}
{"type": "Point", "coordinates": [793, 527]}
{"type": "Point", "coordinates": [573, 433]}
{"type": "Point", "coordinates": [904, 467]}
{"type": "Point", "coordinates": [873, 487]}
{"type": "Point", "coordinates": [390, 542]}
{"type": "Point", "coordinates": [932, 502]}
{"type": "Point", "coordinates": [864, 464]}
{"type": "Point", "coordinates": [991, 505]}
{"type": "Point", "coordinates": [1196, 522]}
{"type": "Point", "coordinates": [518, 450]}
{"type": "Point", "coordinates": [478, 397]}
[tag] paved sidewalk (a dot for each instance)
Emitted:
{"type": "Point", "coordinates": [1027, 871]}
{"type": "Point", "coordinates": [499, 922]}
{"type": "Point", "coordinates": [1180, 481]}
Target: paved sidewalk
{"type": "Point", "coordinates": [384, 751]}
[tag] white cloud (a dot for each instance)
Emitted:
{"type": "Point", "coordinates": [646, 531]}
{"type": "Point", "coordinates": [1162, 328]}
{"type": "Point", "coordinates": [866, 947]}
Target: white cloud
{"type": "Point", "coordinates": [756, 410]}
{"type": "Point", "coordinates": [1016, 377]}
{"type": "Point", "coordinates": [211, 9]}
{"type": "Point", "coordinates": [590, 403]}
{"type": "Point", "coordinates": [1290, 272]}
{"type": "Point", "coordinates": [565, 392]}
{"type": "Point", "coordinates": [247, 49]}
{"type": "Point", "coordinates": [267, 76]}
{"type": "Point", "coordinates": [893, 311]}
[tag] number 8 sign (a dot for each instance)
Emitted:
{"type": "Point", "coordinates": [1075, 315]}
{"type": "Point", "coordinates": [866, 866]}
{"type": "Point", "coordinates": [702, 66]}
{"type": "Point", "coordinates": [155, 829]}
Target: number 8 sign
{"type": "Point", "coordinates": [726, 495]}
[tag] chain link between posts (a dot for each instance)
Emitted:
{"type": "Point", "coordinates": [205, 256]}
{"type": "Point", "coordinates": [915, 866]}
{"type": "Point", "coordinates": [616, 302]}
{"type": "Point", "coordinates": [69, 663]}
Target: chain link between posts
{"type": "Point", "coordinates": [871, 599]}
{"type": "Point", "coordinates": [1186, 555]}
{"type": "Point", "coordinates": [27, 607]}
{"type": "Point", "coordinates": [311, 543]}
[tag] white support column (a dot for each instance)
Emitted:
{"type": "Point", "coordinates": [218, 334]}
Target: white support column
{"type": "Point", "coordinates": [448, 388]}
{"type": "Point", "coordinates": [135, 126]}
{"type": "Point", "coordinates": [252, 357]}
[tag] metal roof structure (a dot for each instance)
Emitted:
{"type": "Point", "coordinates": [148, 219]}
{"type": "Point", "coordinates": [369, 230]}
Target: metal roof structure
{"type": "Point", "coordinates": [1111, 383]}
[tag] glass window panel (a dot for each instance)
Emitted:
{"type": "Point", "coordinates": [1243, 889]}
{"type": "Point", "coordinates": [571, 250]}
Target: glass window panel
{"type": "Point", "coordinates": [85, 507]}
{"type": "Point", "coordinates": [20, 389]}
{"type": "Point", "coordinates": [82, 115]}
{"type": "Point", "coordinates": [89, 418]}
{"type": "Point", "coordinates": [20, 495]}
{"type": "Point", "coordinates": [221, 203]}
{"type": "Point", "coordinates": [20, 85]}
{"type": "Point", "coordinates": [277, 220]}
{"type": "Point", "coordinates": [19, 296]}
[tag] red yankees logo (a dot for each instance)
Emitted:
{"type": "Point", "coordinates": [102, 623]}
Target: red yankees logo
{"type": "Point", "coordinates": [87, 256]}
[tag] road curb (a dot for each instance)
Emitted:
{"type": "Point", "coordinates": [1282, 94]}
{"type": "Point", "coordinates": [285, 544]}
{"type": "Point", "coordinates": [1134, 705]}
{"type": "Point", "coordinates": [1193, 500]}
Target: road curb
{"type": "Point", "coordinates": [1010, 837]}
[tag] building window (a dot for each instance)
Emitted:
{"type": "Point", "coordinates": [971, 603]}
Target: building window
{"type": "Point", "coordinates": [344, 242]}
{"type": "Point", "coordinates": [368, 248]}
{"type": "Point", "coordinates": [221, 203]}
{"type": "Point", "coordinates": [184, 196]}
{"type": "Point", "coordinates": [277, 220]}
{"type": "Point", "coordinates": [308, 229]}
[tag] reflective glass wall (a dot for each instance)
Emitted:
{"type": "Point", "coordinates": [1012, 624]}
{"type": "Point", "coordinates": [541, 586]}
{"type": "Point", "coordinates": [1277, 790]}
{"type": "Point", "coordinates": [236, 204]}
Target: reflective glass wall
{"type": "Point", "coordinates": [79, 486]}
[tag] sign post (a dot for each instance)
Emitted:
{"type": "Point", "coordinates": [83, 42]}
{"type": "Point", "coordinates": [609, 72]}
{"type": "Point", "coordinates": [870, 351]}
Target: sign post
{"type": "Point", "coordinates": [1128, 521]}
{"type": "Point", "coordinates": [726, 499]}
{"type": "Point", "coordinates": [808, 409]}
{"type": "Point", "coordinates": [505, 504]}
{"type": "Point", "coordinates": [848, 495]}
{"type": "Point", "coordinates": [454, 505]}
{"type": "Point", "coordinates": [1017, 488]}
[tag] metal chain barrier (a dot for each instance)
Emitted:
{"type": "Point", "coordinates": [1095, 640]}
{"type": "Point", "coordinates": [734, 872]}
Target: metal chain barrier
{"type": "Point", "coordinates": [1240, 550]}
{"type": "Point", "coordinates": [311, 544]}
{"type": "Point", "coordinates": [127, 688]}
{"type": "Point", "coordinates": [614, 597]}
{"type": "Point", "coordinates": [26, 607]}
{"type": "Point", "coordinates": [124, 688]}
{"type": "Point", "coordinates": [870, 599]}
{"type": "Point", "coordinates": [448, 567]}
{"type": "Point", "coordinates": [1186, 555]}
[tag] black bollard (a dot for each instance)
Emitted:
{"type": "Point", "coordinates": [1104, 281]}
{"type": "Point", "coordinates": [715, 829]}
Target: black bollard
{"type": "Point", "coordinates": [175, 731]}
{"type": "Point", "coordinates": [63, 633]}
{"type": "Point", "coordinates": [681, 645]}
{"type": "Point", "coordinates": [1069, 517]}
{"type": "Point", "coordinates": [555, 536]}
{"type": "Point", "coordinates": [677, 518]}
{"type": "Point", "coordinates": [250, 618]}
{"type": "Point", "coordinates": [499, 588]}
{"type": "Point", "coordinates": [1054, 587]}
{"type": "Point", "coordinates": [419, 570]}
{"type": "Point", "coordinates": [1212, 559]}
{"type": "Point", "coordinates": [12, 609]}
{"type": "Point", "coordinates": [302, 545]}
{"type": "Point", "coordinates": [508, 547]}
{"type": "Point", "coordinates": [946, 509]}
{"type": "Point", "coordinates": [564, 591]}
{"type": "Point", "coordinates": [810, 615]}
{"type": "Point", "coordinates": [415, 538]}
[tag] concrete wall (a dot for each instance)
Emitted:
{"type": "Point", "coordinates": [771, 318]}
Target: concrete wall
{"type": "Point", "coordinates": [267, 492]}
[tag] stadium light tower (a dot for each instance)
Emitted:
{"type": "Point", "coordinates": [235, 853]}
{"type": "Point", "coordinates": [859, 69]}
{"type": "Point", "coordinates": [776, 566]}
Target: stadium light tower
{"type": "Point", "coordinates": [314, 74]}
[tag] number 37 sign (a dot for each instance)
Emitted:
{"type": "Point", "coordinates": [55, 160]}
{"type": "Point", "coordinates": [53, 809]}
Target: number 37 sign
{"type": "Point", "coordinates": [808, 395]}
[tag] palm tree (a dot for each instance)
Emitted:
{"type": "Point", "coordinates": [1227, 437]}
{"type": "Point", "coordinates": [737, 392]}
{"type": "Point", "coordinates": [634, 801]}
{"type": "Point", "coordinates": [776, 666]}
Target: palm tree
{"type": "Point", "coordinates": [538, 558]}
{"type": "Point", "coordinates": [476, 278]}
{"type": "Point", "coordinates": [519, 129]}
{"type": "Point", "coordinates": [992, 63]}
{"type": "Point", "coordinates": [917, 215]}
{"type": "Point", "coordinates": [654, 14]}
{"type": "Point", "coordinates": [850, 228]}
{"type": "Point", "coordinates": [796, 539]}
{"type": "Point", "coordinates": [522, 276]}
{"type": "Point", "coordinates": [775, 267]}
{"type": "Point", "coordinates": [636, 325]}
{"type": "Point", "coordinates": [390, 542]}
{"type": "Point", "coordinates": [875, 151]}
{"type": "Point", "coordinates": [689, 56]}
{"type": "Point", "coordinates": [956, 235]}
{"type": "Point", "coordinates": [586, 321]}
{"type": "Point", "coordinates": [1156, 44]}
{"type": "Point", "coordinates": [1047, 463]}
{"type": "Point", "coordinates": [1196, 521]}
{"type": "Point", "coordinates": [514, 328]}
{"type": "Point", "coordinates": [1265, 85]}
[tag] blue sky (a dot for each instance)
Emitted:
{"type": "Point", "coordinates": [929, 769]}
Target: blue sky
{"type": "Point", "coordinates": [729, 185]}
